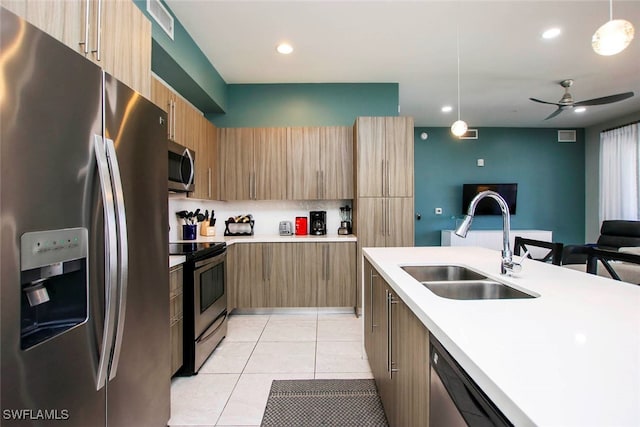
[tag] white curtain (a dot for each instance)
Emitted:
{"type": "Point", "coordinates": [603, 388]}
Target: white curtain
{"type": "Point", "coordinates": [620, 173]}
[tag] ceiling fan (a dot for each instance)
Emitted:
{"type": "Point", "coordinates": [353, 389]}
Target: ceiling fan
{"type": "Point", "coordinates": [567, 100]}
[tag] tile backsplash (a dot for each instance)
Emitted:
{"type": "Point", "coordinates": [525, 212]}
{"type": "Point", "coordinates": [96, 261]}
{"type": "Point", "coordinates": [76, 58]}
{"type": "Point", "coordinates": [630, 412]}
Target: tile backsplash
{"type": "Point", "coordinates": [266, 213]}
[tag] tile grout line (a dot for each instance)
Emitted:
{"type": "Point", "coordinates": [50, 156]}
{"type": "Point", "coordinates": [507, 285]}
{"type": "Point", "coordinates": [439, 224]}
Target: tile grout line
{"type": "Point", "coordinates": [241, 373]}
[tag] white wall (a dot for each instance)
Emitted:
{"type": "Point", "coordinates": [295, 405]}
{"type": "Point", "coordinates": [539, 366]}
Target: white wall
{"type": "Point", "coordinates": [266, 213]}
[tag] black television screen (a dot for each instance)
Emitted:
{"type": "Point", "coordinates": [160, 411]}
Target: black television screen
{"type": "Point", "coordinates": [488, 206]}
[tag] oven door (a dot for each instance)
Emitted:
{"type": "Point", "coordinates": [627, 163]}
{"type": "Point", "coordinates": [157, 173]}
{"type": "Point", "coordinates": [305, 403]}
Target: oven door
{"type": "Point", "coordinates": [210, 299]}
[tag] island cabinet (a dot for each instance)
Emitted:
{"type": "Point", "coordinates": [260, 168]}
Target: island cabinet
{"type": "Point", "coordinates": [397, 346]}
{"type": "Point", "coordinates": [275, 275]}
{"type": "Point", "coordinates": [114, 34]}
{"type": "Point", "coordinates": [253, 163]}
{"type": "Point", "coordinates": [176, 317]}
{"type": "Point", "coordinates": [320, 163]}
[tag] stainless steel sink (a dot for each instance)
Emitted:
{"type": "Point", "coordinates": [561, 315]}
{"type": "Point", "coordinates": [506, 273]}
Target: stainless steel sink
{"type": "Point", "coordinates": [474, 289]}
{"type": "Point", "coordinates": [457, 282]}
{"type": "Point", "coordinates": [439, 273]}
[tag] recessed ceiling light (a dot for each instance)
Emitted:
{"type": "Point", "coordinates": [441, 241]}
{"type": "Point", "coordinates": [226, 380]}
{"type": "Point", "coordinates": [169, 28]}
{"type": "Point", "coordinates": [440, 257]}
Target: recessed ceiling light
{"type": "Point", "coordinates": [447, 109]}
{"type": "Point", "coordinates": [551, 33]}
{"type": "Point", "coordinates": [580, 109]}
{"type": "Point", "coordinates": [284, 48]}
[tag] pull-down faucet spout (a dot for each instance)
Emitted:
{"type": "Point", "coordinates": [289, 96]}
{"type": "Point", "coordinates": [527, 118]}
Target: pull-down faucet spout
{"type": "Point", "coordinates": [507, 266]}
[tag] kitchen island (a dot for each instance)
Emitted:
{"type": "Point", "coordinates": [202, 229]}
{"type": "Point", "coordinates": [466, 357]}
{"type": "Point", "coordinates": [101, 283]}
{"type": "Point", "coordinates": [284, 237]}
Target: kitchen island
{"type": "Point", "coordinates": [569, 357]}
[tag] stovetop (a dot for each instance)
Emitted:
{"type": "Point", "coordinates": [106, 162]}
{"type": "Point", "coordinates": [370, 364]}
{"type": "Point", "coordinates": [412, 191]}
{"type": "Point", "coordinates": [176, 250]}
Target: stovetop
{"type": "Point", "coordinates": [197, 249]}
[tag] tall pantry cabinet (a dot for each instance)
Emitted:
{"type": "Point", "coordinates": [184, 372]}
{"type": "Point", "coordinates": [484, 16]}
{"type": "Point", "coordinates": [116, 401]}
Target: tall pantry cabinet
{"type": "Point", "coordinates": [384, 201]}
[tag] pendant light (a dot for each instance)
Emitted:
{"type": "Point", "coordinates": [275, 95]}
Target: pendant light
{"type": "Point", "coordinates": [612, 37]}
{"type": "Point", "coordinates": [459, 127]}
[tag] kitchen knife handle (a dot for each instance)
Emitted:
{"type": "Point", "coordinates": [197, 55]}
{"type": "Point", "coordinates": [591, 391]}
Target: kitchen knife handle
{"type": "Point", "coordinates": [111, 267]}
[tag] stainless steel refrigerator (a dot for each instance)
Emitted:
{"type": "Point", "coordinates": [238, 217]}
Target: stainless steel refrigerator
{"type": "Point", "coordinates": [84, 293]}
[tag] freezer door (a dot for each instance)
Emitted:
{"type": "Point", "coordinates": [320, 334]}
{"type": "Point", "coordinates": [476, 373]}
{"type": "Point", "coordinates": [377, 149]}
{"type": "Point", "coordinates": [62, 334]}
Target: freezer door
{"type": "Point", "coordinates": [140, 377]}
{"type": "Point", "coordinates": [50, 110]}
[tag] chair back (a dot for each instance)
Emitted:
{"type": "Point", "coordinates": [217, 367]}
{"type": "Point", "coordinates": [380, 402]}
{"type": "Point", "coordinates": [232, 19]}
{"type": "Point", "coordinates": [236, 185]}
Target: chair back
{"type": "Point", "coordinates": [619, 233]}
{"type": "Point", "coordinates": [615, 262]}
{"type": "Point", "coordinates": [554, 254]}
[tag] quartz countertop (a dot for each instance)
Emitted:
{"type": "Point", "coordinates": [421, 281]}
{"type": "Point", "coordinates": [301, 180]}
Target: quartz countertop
{"type": "Point", "coordinates": [570, 357]}
{"type": "Point", "coordinates": [273, 238]}
{"type": "Point", "coordinates": [176, 260]}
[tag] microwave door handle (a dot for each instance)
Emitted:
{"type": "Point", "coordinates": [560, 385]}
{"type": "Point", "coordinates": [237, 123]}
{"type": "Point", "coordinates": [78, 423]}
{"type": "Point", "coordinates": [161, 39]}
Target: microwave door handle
{"type": "Point", "coordinates": [186, 156]}
{"type": "Point", "coordinates": [123, 253]}
{"type": "Point", "coordinates": [111, 248]}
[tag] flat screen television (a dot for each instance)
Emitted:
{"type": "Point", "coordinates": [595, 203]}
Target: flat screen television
{"type": "Point", "coordinates": [488, 206]}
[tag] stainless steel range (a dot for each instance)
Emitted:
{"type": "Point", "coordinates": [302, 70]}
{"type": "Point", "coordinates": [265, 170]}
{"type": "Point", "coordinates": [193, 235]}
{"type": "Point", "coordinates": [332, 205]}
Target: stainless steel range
{"type": "Point", "coordinates": [205, 301]}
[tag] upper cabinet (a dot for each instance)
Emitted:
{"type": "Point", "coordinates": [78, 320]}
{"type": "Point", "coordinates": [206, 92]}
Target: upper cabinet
{"type": "Point", "coordinates": [187, 126]}
{"type": "Point", "coordinates": [236, 163]}
{"type": "Point", "coordinates": [384, 154]}
{"type": "Point", "coordinates": [270, 164]}
{"type": "Point", "coordinates": [114, 34]}
{"type": "Point", "coordinates": [320, 163]}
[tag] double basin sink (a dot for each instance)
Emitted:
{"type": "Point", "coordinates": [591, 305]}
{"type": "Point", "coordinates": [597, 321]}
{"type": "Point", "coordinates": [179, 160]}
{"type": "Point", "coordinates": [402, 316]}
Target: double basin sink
{"type": "Point", "coordinates": [461, 283]}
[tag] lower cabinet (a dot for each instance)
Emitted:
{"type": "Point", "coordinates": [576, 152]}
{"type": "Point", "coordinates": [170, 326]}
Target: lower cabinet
{"type": "Point", "coordinates": [273, 275]}
{"type": "Point", "coordinates": [397, 345]}
{"type": "Point", "coordinates": [175, 317]}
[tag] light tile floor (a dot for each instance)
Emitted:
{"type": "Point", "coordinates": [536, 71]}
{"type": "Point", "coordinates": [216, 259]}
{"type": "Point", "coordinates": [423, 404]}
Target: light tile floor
{"type": "Point", "coordinates": [232, 387]}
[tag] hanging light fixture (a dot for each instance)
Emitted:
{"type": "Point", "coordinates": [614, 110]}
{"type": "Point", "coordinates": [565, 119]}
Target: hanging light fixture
{"type": "Point", "coordinates": [459, 127]}
{"type": "Point", "coordinates": [612, 37]}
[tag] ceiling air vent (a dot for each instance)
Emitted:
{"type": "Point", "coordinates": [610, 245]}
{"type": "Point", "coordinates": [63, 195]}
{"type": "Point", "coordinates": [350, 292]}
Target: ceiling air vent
{"type": "Point", "coordinates": [161, 15]}
{"type": "Point", "coordinates": [470, 134]}
{"type": "Point", "coordinates": [566, 136]}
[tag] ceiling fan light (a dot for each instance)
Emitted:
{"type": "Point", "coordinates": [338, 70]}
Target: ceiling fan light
{"type": "Point", "coordinates": [459, 127]}
{"type": "Point", "coordinates": [612, 37]}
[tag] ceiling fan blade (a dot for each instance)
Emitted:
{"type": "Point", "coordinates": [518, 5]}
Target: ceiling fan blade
{"type": "Point", "coordinates": [544, 102]}
{"type": "Point", "coordinates": [605, 99]}
{"type": "Point", "coordinates": [555, 113]}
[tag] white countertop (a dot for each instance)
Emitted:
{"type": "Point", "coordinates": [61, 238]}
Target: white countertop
{"type": "Point", "coordinates": [570, 357]}
{"type": "Point", "coordinates": [266, 238]}
{"type": "Point", "coordinates": [273, 238]}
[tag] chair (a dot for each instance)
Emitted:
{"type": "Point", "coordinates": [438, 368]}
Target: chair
{"type": "Point", "coordinates": [620, 265]}
{"type": "Point", "coordinates": [614, 234]}
{"type": "Point", "coordinates": [524, 245]}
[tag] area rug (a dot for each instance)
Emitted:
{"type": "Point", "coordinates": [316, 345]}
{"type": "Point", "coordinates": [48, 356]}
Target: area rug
{"type": "Point", "coordinates": [324, 403]}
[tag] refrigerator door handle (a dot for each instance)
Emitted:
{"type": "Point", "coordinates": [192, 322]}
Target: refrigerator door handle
{"type": "Point", "coordinates": [111, 266]}
{"type": "Point", "coordinates": [123, 254]}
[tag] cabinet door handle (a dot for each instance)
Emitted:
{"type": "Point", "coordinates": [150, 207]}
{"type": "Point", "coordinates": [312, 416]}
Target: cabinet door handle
{"type": "Point", "coordinates": [388, 179]}
{"type": "Point", "coordinates": [383, 222]}
{"type": "Point", "coordinates": [388, 217]}
{"type": "Point", "coordinates": [85, 43]}
{"type": "Point", "coordinates": [382, 176]}
{"type": "Point", "coordinates": [264, 264]}
{"type": "Point", "coordinates": [209, 182]}
{"type": "Point", "coordinates": [390, 363]}
{"type": "Point", "coordinates": [173, 117]}
{"type": "Point", "coordinates": [322, 186]}
{"type": "Point", "coordinates": [98, 31]}
{"type": "Point", "coordinates": [371, 276]}
{"type": "Point", "coordinates": [325, 261]}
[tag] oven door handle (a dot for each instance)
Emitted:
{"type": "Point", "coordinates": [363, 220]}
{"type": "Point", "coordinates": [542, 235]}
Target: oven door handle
{"type": "Point", "coordinates": [213, 260]}
{"type": "Point", "coordinates": [213, 328]}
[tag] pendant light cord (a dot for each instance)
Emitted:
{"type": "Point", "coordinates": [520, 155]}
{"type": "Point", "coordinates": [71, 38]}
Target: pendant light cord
{"type": "Point", "coordinates": [610, 10]}
{"type": "Point", "coordinates": [458, 56]}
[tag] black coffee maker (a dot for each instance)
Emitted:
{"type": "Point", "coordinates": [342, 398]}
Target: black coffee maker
{"type": "Point", "coordinates": [318, 222]}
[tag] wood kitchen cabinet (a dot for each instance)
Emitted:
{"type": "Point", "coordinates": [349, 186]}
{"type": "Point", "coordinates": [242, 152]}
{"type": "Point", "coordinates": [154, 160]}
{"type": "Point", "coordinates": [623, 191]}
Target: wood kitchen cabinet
{"type": "Point", "coordinates": [320, 164]}
{"type": "Point", "coordinates": [383, 150]}
{"type": "Point", "coordinates": [273, 275]}
{"type": "Point", "coordinates": [123, 47]}
{"type": "Point", "coordinates": [397, 345]}
{"type": "Point", "coordinates": [176, 320]}
{"type": "Point", "coordinates": [253, 163]}
{"type": "Point", "coordinates": [178, 113]}
{"type": "Point", "coordinates": [384, 202]}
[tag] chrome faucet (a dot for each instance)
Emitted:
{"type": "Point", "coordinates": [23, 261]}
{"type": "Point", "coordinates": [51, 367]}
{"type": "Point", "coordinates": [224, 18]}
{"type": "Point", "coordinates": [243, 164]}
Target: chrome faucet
{"type": "Point", "coordinates": [508, 265]}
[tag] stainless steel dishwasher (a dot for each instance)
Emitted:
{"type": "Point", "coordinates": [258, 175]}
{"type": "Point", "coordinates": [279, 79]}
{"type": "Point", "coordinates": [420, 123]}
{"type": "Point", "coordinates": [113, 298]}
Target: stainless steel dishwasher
{"type": "Point", "coordinates": [455, 399]}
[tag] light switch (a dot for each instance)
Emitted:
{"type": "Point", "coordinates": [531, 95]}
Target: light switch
{"type": "Point", "coordinates": [480, 162]}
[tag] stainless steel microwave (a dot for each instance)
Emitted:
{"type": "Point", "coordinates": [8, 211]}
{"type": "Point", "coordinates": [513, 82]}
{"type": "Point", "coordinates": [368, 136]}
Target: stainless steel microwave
{"type": "Point", "coordinates": [182, 168]}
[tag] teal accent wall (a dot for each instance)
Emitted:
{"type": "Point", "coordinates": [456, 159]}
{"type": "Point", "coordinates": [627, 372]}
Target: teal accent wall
{"type": "Point", "coordinates": [181, 64]}
{"type": "Point", "coordinates": [550, 177]}
{"type": "Point", "coordinates": [308, 104]}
